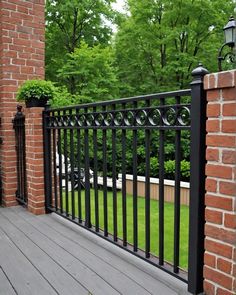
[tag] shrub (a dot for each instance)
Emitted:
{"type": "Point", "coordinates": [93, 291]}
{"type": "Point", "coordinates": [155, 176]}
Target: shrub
{"type": "Point", "coordinates": [36, 89]}
{"type": "Point", "coordinates": [170, 169]}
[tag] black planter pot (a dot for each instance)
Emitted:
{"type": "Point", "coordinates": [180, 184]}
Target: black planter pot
{"type": "Point", "coordinates": [34, 102]}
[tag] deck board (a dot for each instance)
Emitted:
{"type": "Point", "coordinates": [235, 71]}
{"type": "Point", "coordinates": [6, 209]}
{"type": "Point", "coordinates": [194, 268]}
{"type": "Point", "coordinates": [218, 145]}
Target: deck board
{"type": "Point", "coordinates": [68, 272]}
{"type": "Point", "coordinates": [111, 272]}
{"type": "Point", "coordinates": [20, 272]}
{"type": "Point", "coordinates": [58, 259]}
{"type": "Point", "coordinates": [39, 258]}
{"type": "Point", "coordinates": [5, 285]}
{"type": "Point", "coordinates": [139, 276]}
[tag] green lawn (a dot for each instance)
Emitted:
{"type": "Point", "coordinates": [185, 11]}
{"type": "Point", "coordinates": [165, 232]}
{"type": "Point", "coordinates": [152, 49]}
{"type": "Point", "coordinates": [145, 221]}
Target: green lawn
{"type": "Point", "coordinates": [168, 221]}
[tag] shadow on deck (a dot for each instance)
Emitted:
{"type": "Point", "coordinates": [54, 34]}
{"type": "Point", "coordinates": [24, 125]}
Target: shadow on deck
{"type": "Point", "coordinates": [49, 255]}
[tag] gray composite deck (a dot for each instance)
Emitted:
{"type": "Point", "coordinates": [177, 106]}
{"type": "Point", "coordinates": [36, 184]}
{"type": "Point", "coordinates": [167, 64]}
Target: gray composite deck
{"type": "Point", "coordinates": [49, 255]}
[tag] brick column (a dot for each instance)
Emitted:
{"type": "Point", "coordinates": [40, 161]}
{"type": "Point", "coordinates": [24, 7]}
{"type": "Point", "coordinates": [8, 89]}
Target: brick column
{"type": "Point", "coordinates": [21, 58]}
{"type": "Point", "coordinates": [220, 228]}
{"type": "Point", "coordinates": [34, 160]}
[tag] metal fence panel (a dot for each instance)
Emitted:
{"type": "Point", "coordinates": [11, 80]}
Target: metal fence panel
{"type": "Point", "coordinates": [87, 146]}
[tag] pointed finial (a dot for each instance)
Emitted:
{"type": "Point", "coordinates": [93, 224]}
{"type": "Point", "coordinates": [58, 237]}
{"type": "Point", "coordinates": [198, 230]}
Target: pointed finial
{"type": "Point", "coordinates": [19, 108]}
{"type": "Point", "coordinates": [198, 73]}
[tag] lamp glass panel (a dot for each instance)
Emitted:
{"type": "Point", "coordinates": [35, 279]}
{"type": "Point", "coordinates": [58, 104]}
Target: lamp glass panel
{"type": "Point", "coordinates": [229, 35]}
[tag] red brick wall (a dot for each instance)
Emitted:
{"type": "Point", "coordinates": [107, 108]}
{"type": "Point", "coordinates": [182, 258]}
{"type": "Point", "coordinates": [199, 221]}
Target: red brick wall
{"type": "Point", "coordinates": [21, 58]}
{"type": "Point", "coordinates": [220, 228]}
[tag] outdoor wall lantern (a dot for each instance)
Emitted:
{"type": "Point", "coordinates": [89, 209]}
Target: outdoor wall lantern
{"type": "Point", "coordinates": [230, 40]}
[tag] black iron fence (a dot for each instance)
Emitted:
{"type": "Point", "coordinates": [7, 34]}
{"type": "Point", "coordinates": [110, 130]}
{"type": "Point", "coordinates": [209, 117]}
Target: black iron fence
{"type": "Point", "coordinates": [89, 150]}
{"type": "Point", "coordinates": [19, 126]}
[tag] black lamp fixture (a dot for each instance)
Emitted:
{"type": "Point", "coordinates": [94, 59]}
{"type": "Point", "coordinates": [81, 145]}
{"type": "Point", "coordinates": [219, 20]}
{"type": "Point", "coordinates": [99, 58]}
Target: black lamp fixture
{"type": "Point", "coordinates": [230, 40]}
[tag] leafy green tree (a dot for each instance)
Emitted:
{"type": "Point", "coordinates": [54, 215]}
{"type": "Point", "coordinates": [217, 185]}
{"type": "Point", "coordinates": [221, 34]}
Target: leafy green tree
{"type": "Point", "coordinates": [63, 98]}
{"type": "Point", "coordinates": [161, 41]}
{"type": "Point", "coordinates": [70, 22]}
{"type": "Point", "coordinates": [92, 71]}
{"type": "Point", "coordinates": [155, 49]}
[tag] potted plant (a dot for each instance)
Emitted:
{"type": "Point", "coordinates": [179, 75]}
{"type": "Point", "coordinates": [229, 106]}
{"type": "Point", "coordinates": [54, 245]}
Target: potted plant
{"type": "Point", "coordinates": [36, 93]}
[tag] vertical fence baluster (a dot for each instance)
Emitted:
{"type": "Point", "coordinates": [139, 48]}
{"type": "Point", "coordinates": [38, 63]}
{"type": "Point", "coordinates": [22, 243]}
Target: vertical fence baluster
{"type": "Point", "coordinates": [79, 170]}
{"type": "Point", "coordinates": [72, 168]}
{"type": "Point", "coordinates": [54, 166]}
{"type": "Point", "coordinates": [59, 149]}
{"type": "Point", "coordinates": [114, 190]}
{"type": "Point", "coordinates": [147, 190]}
{"type": "Point", "coordinates": [124, 207]}
{"type": "Point", "coordinates": [66, 166]}
{"type": "Point", "coordinates": [161, 190]}
{"type": "Point", "coordinates": [104, 151]}
{"type": "Point", "coordinates": [87, 175]}
{"type": "Point", "coordinates": [177, 196]}
{"type": "Point", "coordinates": [135, 186]}
{"type": "Point", "coordinates": [95, 175]}
{"type": "Point", "coordinates": [197, 182]}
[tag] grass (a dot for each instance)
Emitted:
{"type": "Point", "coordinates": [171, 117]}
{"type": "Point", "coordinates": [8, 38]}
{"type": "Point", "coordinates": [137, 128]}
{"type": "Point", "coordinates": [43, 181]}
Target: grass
{"type": "Point", "coordinates": [154, 237]}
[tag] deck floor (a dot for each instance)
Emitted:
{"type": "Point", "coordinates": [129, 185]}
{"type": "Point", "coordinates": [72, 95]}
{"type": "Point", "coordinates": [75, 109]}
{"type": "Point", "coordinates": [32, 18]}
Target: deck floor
{"type": "Point", "coordinates": [49, 255]}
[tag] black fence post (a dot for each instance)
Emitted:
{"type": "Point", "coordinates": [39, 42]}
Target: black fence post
{"type": "Point", "coordinates": [47, 162]}
{"type": "Point", "coordinates": [197, 181]}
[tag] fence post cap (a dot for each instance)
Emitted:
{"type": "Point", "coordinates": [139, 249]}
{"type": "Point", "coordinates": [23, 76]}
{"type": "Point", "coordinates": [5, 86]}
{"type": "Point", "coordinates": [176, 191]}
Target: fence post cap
{"type": "Point", "coordinates": [199, 70]}
{"type": "Point", "coordinates": [19, 113]}
{"type": "Point", "coordinates": [19, 108]}
{"type": "Point", "coordinates": [198, 73]}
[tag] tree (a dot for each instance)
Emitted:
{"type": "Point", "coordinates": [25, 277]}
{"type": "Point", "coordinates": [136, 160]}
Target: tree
{"type": "Point", "coordinates": [69, 23]}
{"type": "Point", "coordinates": [155, 49]}
{"type": "Point", "coordinates": [161, 41]}
{"type": "Point", "coordinates": [158, 45]}
{"type": "Point", "coordinates": [92, 71]}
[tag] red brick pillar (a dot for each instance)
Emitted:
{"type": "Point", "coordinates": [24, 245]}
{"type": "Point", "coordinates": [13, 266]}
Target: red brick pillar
{"type": "Point", "coordinates": [34, 160]}
{"type": "Point", "coordinates": [21, 58]}
{"type": "Point", "coordinates": [220, 228]}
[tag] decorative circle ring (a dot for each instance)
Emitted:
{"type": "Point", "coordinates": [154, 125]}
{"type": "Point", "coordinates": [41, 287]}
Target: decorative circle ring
{"type": "Point", "coordinates": [55, 122]}
{"type": "Point", "coordinates": [60, 123]}
{"type": "Point", "coordinates": [141, 117]}
{"type": "Point", "coordinates": [65, 121]}
{"type": "Point", "coordinates": [155, 117]}
{"type": "Point", "coordinates": [184, 116]}
{"type": "Point", "coordinates": [169, 117]}
{"type": "Point", "coordinates": [108, 119]}
{"type": "Point", "coordinates": [81, 120]}
{"type": "Point", "coordinates": [99, 119]}
{"type": "Point", "coordinates": [118, 118]}
{"type": "Point", "coordinates": [89, 120]}
{"type": "Point", "coordinates": [129, 118]}
{"type": "Point", "coordinates": [72, 121]}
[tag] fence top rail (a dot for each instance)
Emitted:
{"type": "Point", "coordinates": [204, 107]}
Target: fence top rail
{"type": "Point", "coordinates": [161, 95]}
